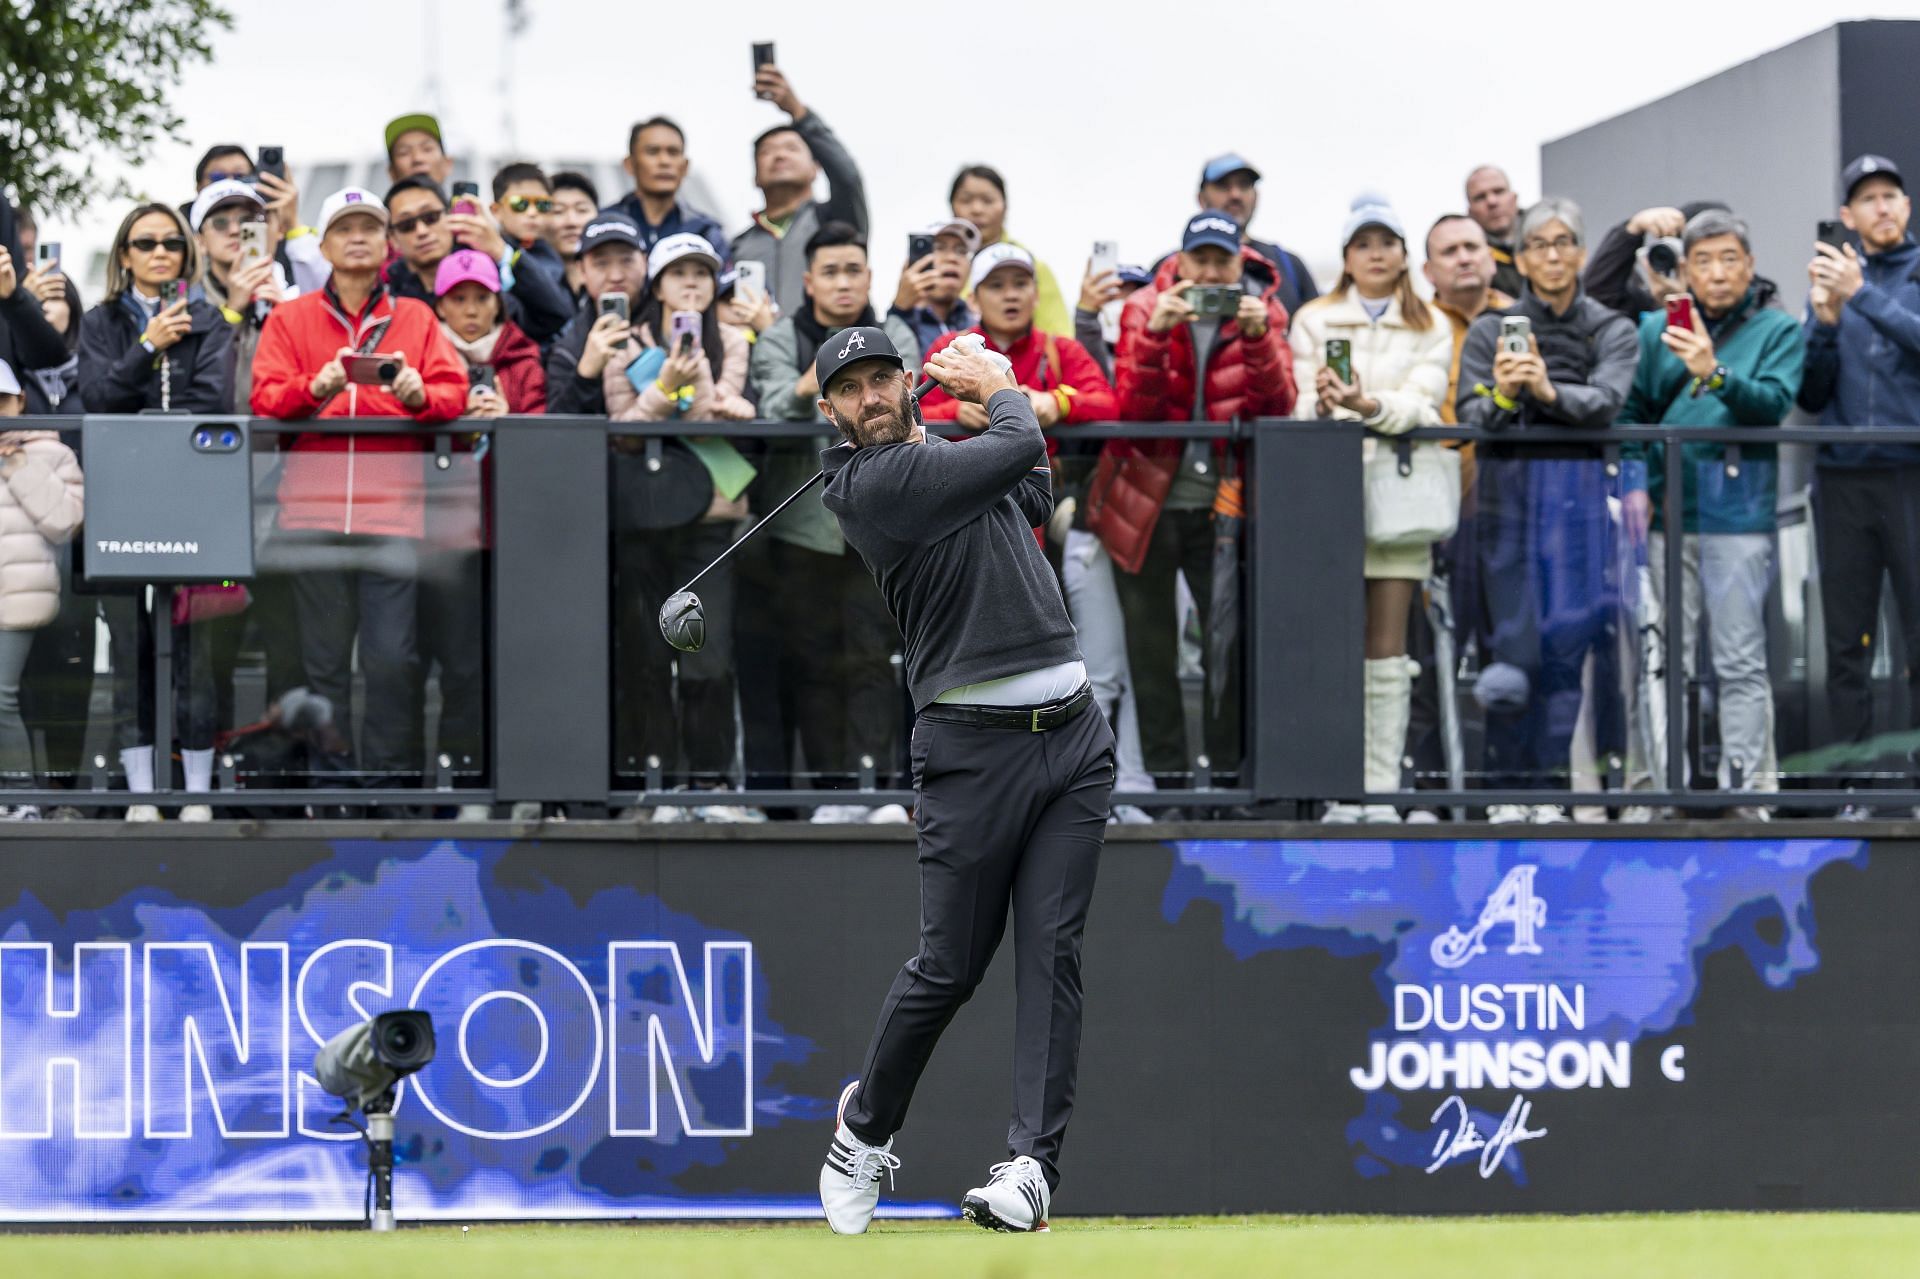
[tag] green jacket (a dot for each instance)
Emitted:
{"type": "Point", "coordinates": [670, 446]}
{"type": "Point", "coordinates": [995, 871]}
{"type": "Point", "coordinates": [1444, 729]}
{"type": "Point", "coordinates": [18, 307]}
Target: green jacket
{"type": "Point", "coordinates": [1763, 358]}
{"type": "Point", "coordinates": [771, 376]}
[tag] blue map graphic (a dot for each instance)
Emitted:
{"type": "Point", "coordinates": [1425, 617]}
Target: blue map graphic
{"type": "Point", "coordinates": [1630, 920]}
{"type": "Point", "coordinates": [426, 901]}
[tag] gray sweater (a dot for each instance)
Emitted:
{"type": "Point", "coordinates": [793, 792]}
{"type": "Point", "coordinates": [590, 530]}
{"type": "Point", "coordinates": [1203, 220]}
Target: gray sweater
{"type": "Point", "coordinates": [785, 254]}
{"type": "Point", "coordinates": [947, 531]}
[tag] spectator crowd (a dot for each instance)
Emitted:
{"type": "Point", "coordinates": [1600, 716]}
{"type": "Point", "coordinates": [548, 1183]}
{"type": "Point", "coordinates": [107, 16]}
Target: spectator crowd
{"type": "Point", "coordinates": [1527, 560]}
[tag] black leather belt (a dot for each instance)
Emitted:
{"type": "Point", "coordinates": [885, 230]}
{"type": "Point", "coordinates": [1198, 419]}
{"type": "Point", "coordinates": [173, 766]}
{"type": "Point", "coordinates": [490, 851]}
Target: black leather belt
{"type": "Point", "coordinates": [1027, 719]}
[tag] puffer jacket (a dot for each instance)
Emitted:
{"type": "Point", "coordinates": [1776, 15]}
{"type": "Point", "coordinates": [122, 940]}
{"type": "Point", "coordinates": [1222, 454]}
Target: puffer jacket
{"type": "Point", "coordinates": [1154, 381]}
{"type": "Point", "coordinates": [371, 484]}
{"type": "Point", "coordinates": [41, 502]}
{"type": "Point", "coordinates": [1403, 368]}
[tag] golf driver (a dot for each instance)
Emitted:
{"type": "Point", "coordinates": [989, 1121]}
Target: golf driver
{"type": "Point", "coordinates": [683, 623]}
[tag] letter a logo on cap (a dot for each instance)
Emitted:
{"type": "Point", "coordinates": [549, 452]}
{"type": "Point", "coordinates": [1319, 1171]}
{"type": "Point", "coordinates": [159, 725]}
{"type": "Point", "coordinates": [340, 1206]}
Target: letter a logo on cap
{"type": "Point", "coordinates": [853, 341]}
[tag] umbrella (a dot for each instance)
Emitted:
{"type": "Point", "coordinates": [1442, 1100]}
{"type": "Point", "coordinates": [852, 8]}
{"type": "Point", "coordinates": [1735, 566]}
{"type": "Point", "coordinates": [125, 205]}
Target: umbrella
{"type": "Point", "coordinates": [1223, 611]}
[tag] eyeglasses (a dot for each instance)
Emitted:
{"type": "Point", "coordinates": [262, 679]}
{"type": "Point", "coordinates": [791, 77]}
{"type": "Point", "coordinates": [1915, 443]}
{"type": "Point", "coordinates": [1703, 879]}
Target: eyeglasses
{"type": "Point", "coordinates": [172, 244]}
{"type": "Point", "coordinates": [405, 226]}
{"type": "Point", "coordinates": [1561, 245]}
{"type": "Point", "coordinates": [224, 222]}
{"type": "Point", "coordinates": [521, 203]}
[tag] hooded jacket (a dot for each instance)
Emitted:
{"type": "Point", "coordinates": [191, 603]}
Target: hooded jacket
{"type": "Point", "coordinates": [517, 372]}
{"type": "Point", "coordinates": [370, 484]}
{"type": "Point", "coordinates": [119, 375]}
{"type": "Point", "coordinates": [42, 499]}
{"type": "Point", "coordinates": [1762, 351]}
{"type": "Point", "coordinates": [1865, 370]}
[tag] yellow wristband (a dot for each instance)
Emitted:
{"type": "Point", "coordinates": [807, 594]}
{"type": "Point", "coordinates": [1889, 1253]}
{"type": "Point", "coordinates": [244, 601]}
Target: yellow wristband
{"type": "Point", "coordinates": [301, 231]}
{"type": "Point", "coordinates": [1505, 403]}
{"type": "Point", "coordinates": [1064, 399]}
{"type": "Point", "coordinates": [232, 316]}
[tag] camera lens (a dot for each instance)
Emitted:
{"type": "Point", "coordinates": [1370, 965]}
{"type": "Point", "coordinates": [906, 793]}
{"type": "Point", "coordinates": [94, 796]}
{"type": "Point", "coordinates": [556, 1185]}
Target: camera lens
{"type": "Point", "coordinates": [1663, 259]}
{"type": "Point", "coordinates": [228, 439]}
{"type": "Point", "coordinates": [203, 439]}
{"type": "Point", "coordinates": [389, 371]}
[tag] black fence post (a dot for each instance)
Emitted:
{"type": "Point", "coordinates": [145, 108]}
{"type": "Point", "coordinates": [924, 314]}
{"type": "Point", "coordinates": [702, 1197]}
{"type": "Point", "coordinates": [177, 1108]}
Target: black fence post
{"type": "Point", "coordinates": [1306, 610]}
{"type": "Point", "coordinates": [550, 726]}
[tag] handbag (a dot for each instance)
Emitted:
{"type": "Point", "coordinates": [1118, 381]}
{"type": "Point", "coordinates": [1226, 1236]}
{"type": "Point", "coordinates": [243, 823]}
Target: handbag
{"type": "Point", "coordinates": [204, 603]}
{"type": "Point", "coordinates": [1412, 493]}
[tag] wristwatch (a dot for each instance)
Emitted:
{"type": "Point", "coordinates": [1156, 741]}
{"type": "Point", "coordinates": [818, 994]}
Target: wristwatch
{"type": "Point", "coordinates": [1719, 378]}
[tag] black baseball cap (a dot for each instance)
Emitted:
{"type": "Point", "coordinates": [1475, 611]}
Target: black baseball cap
{"type": "Point", "coordinates": [609, 228]}
{"type": "Point", "coordinates": [851, 346]}
{"type": "Point", "coordinates": [1869, 166]}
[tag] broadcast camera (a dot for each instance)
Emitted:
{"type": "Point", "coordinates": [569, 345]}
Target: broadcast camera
{"type": "Point", "coordinates": [361, 1064]}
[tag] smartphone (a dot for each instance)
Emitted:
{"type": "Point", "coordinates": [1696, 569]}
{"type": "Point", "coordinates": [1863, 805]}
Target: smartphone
{"type": "Point", "coordinates": [253, 243]}
{"type": "Point", "coordinates": [1515, 330]}
{"type": "Point", "coordinates": [1680, 313]}
{"type": "Point", "coordinates": [1340, 359]}
{"type": "Point", "coordinates": [272, 160]}
{"type": "Point", "coordinates": [1106, 257]}
{"type": "Point", "coordinates": [1832, 233]}
{"type": "Point", "coordinates": [377, 369]}
{"type": "Point", "coordinates": [751, 274]}
{"type": "Point", "coordinates": [616, 304]}
{"type": "Point", "coordinates": [762, 57]}
{"type": "Point", "coordinates": [46, 251]}
{"type": "Point", "coordinates": [1212, 301]}
{"type": "Point", "coordinates": [481, 375]}
{"type": "Point", "coordinates": [685, 331]}
{"type": "Point", "coordinates": [918, 247]}
{"type": "Point", "coordinates": [179, 290]}
{"type": "Point", "coordinates": [466, 197]}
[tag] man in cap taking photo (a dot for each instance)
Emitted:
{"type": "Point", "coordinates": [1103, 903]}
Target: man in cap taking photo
{"type": "Point", "coordinates": [1012, 773]}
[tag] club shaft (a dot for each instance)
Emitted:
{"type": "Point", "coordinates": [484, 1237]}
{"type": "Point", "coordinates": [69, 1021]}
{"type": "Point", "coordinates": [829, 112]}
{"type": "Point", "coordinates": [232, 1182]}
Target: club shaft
{"type": "Point", "coordinates": [770, 517]}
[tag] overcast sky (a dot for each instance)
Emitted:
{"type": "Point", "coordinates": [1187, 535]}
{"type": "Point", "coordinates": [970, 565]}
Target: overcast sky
{"type": "Point", "coordinates": [1099, 116]}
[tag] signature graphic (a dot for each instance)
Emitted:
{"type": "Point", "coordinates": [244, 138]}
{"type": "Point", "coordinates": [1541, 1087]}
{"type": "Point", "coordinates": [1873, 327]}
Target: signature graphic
{"type": "Point", "coordinates": [1459, 1136]}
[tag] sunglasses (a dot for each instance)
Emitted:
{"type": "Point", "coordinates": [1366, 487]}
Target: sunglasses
{"type": "Point", "coordinates": [224, 222]}
{"type": "Point", "coordinates": [405, 226]}
{"type": "Point", "coordinates": [521, 203]}
{"type": "Point", "coordinates": [172, 244]}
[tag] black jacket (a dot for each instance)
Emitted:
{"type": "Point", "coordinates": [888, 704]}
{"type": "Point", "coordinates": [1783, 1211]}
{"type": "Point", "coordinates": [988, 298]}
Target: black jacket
{"type": "Point", "coordinates": [567, 391]}
{"type": "Point", "coordinates": [118, 375]}
{"type": "Point", "coordinates": [538, 302]}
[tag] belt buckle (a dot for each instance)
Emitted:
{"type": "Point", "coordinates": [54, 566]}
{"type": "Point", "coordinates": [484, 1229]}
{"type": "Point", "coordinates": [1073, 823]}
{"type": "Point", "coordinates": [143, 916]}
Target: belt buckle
{"type": "Point", "coordinates": [1036, 720]}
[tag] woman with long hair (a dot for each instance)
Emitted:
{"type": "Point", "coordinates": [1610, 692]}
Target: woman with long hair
{"type": "Point", "coordinates": [156, 343]}
{"type": "Point", "coordinates": [1399, 352]}
{"type": "Point", "coordinates": [979, 194]}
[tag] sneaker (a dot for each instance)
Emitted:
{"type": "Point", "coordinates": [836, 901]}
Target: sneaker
{"type": "Point", "coordinates": [1509, 814]}
{"type": "Point", "coordinates": [20, 813]}
{"type": "Point", "coordinates": [1639, 814]}
{"type": "Point", "coordinates": [142, 813]}
{"type": "Point", "coordinates": [1590, 814]}
{"type": "Point", "coordinates": [673, 813]}
{"type": "Point", "coordinates": [1752, 813]}
{"type": "Point", "coordinates": [474, 813]}
{"type": "Point", "coordinates": [1014, 1198]}
{"type": "Point", "coordinates": [1377, 814]}
{"type": "Point", "coordinates": [725, 813]}
{"type": "Point", "coordinates": [1422, 817]}
{"type": "Point", "coordinates": [196, 813]}
{"type": "Point", "coordinates": [1343, 815]}
{"type": "Point", "coordinates": [66, 813]}
{"type": "Point", "coordinates": [840, 815]}
{"type": "Point", "coordinates": [850, 1179]}
{"type": "Point", "coordinates": [886, 813]}
{"type": "Point", "coordinates": [1548, 814]}
{"type": "Point", "coordinates": [527, 810]}
{"type": "Point", "coordinates": [1856, 813]}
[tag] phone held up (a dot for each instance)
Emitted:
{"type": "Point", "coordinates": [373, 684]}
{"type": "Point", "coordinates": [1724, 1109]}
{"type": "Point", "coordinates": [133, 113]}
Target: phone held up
{"type": "Point", "coordinates": [1832, 234]}
{"type": "Point", "coordinates": [466, 197]}
{"type": "Point", "coordinates": [762, 57]}
{"type": "Point", "coordinates": [919, 248]}
{"type": "Point", "coordinates": [46, 251]}
{"type": "Point", "coordinates": [1516, 332]}
{"type": "Point", "coordinates": [1340, 359]}
{"type": "Point", "coordinates": [1106, 258]}
{"type": "Point", "coordinates": [751, 274]}
{"type": "Point", "coordinates": [272, 160]}
{"type": "Point", "coordinates": [1680, 313]}
{"type": "Point", "coordinates": [616, 304]}
{"type": "Point", "coordinates": [684, 332]}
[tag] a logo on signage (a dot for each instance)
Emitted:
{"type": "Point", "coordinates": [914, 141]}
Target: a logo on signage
{"type": "Point", "coordinates": [1512, 903]}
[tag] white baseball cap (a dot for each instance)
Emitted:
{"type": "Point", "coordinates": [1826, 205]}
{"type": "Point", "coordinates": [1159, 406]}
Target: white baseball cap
{"type": "Point", "coordinates": [215, 194]}
{"type": "Point", "coordinates": [995, 256]}
{"type": "Point", "coordinates": [677, 248]}
{"type": "Point", "coordinates": [350, 200]}
{"type": "Point", "coordinates": [9, 384]}
{"type": "Point", "coordinates": [967, 231]}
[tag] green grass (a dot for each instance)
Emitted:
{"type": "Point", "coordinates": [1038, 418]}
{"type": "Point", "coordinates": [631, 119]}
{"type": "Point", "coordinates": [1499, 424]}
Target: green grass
{"type": "Point", "coordinates": [1644, 1247]}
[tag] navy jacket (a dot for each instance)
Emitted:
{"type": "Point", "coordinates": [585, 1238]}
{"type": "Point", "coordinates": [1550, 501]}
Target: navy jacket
{"type": "Point", "coordinates": [1865, 370]}
{"type": "Point", "coordinates": [679, 219]}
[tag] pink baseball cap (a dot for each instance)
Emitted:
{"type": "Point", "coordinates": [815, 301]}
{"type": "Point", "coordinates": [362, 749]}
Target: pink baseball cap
{"type": "Point", "coordinates": [462, 265]}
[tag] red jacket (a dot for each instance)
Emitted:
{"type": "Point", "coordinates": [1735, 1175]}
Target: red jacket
{"type": "Point", "coordinates": [1154, 374]}
{"type": "Point", "coordinates": [517, 370]}
{"type": "Point", "coordinates": [343, 483]}
{"type": "Point", "coordinates": [1068, 371]}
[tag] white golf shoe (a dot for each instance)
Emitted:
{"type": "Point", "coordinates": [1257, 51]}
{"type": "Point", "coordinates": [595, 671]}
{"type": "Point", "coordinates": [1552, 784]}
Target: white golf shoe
{"type": "Point", "coordinates": [1014, 1198]}
{"type": "Point", "coordinates": [850, 1179]}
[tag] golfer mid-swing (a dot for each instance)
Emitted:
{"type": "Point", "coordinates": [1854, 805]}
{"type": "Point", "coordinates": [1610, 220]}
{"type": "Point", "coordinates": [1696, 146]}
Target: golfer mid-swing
{"type": "Point", "coordinates": [1012, 765]}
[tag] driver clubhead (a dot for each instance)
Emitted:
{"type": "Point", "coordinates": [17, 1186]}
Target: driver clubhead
{"type": "Point", "coordinates": [683, 623]}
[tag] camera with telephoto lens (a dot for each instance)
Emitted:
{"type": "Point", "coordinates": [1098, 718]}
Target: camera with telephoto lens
{"type": "Point", "coordinates": [1214, 301]}
{"type": "Point", "coordinates": [1664, 255]}
{"type": "Point", "coordinates": [362, 1063]}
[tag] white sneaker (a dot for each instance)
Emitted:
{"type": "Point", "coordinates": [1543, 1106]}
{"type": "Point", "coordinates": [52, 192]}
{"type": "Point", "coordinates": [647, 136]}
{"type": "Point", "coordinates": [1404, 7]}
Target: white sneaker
{"type": "Point", "coordinates": [1548, 814]}
{"type": "Point", "coordinates": [1509, 814]}
{"type": "Point", "coordinates": [142, 813]}
{"type": "Point", "coordinates": [840, 815]}
{"type": "Point", "coordinates": [21, 813]}
{"type": "Point", "coordinates": [850, 1179]}
{"type": "Point", "coordinates": [1752, 813]}
{"type": "Point", "coordinates": [726, 813]}
{"type": "Point", "coordinates": [886, 813]}
{"type": "Point", "coordinates": [1343, 815]}
{"type": "Point", "coordinates": [1376, 814]}
{"type": "Point", "coordinates": [1422, 817]}
{"type": "Point", "coordinates": [196, 813]}
{"type": "Point", "coordinates": [1014, 1198]}
{"type": "Point", "coordinates": [474, 813]}
{"type": "Point", "coordinates": [1638, 814]}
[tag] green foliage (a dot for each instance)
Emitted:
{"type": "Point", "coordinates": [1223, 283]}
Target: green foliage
{"type": "Point", "coordinates": [83, 79]}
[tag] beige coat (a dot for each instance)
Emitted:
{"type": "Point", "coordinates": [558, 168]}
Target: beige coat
{"type": "Point", "coordinates": [1402, 367]}
{"type": "Point", "coordinates": [41, 501]}
{"type": "Point", "coordinates": [710, 392]}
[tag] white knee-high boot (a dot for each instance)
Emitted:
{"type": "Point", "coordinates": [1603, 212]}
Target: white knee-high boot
{"type": "Point", "coordinates": [1389, 705]}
